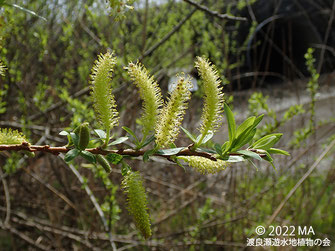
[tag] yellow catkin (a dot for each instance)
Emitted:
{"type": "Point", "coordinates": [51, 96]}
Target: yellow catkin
{"type": "Point", "coordinates": [11, 137]}
{"type": "Point", "coordinates": [137, 202]}
{"type": "Point", "coordinates": [213, 99]}
{"type": "Point", "coordinates": [172, 113]}
{"type": "Point", "coordinates": [150, 93]}
{"type": "Point", "coordinates": [204, 165]}
{"type": "Point", "coordinates": [103, 99]}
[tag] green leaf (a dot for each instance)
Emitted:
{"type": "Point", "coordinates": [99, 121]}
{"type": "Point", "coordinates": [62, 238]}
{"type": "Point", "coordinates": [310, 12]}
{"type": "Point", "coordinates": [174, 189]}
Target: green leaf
{"type": "Point", "coordinates": [63, 133]}
{"type": "Point", "coordinates": [252, 163]}
{"type": "Point", "coordinates": [218, 148]}
{"type": "Point", "coordinates": [188, 134]}
{"type": "Point", "coordinates": [171, 151]}
{"type": "Point", "coordinates": [231, 123]}
{"type": "Point", "coordinates": [128, 130]}
{"type": "Point", "coordinates": [114, 158]}
{"type": "Point", "coordinates": [118, 141]}
{"type": "Point", "coordinates": [267, 141]}
{"type": "Point", "coordinates": [258, 120]}
{"type": "Point", "coordinates": [147, 154]}
{"type": "Point", "coordinates": [235, 159]}
{"type": "Point", "coordinates": [90, 157]}
{"type": "Point", "coordinates": [225, 146]}
{"type": "Point", "coordinates": [101, 133]}
{"type": "Point", "coordinates": [250, 154]}
{"type": "Point", "coordinates": [75, 139]}
{"type": "Point", "coordinates": [277, 151]}
{"type": "Point", "coordinates": [245, 125]}
{"type": "Point", "coordinates": [207, 137]}
{"type": "Point", "coordinates": [148, 141]}
{"type": "Point", "coordinates": [206, 150]}
{"type": "Point", "coordinates": [70, 155]}
{"type": "Point", "coordinates": [243, 138]}
{"type": "Point", "coordinates": [269, 159]}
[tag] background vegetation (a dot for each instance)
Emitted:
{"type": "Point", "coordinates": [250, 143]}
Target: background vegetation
{"type": "Point", "coordinates": [48, 56]}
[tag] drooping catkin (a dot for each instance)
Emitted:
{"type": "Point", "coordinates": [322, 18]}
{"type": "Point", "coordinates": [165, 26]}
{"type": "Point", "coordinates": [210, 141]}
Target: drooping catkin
{"type": "Point", "coordinates": [204, 165]}
{"type": "Point", "coordinates": [137, 202]}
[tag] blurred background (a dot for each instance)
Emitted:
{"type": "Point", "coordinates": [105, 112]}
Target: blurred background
{"type": "Point", "coordinates": [48, 48]}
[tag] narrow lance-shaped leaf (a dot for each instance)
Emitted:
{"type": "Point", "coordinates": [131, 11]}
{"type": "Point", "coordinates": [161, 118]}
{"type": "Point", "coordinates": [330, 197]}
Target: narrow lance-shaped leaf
{"type": "Point", "coordinates": [150, 93]}
{"type": "Point", "coordinates": [231, 123]}
{"type": "Point", "coordinates": [103, 99]}
{"type": "Point", "coordinates": [213, 100]}
{"type": "Point", "coordinates": [172, 113]}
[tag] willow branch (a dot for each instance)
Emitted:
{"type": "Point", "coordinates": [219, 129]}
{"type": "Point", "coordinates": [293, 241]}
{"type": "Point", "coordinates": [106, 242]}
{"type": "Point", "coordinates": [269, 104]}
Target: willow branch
{"type": "Point", "coordinates": [187, 151]}
{"type": "Point", "coordinates": [215, 13]}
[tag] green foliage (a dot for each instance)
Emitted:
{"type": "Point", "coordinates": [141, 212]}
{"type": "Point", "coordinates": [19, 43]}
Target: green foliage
{"type": "Point", "coordinates": [119, 7]}
{"type": "Point", "coordinates": [312, 87]}
{"type": "Point", "coordinates": [259, 103]}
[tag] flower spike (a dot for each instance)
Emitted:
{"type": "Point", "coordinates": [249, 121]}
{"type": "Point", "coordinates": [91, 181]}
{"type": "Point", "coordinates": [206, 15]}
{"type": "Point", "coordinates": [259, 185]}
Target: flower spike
{"type": "Point", "coordinates": [213, 103]}
{"type": "Point", "coordinates": [150, 94]}
{"type": "Point", "coordinates": [172, 113]}
{"type": "Point", "coordinates": [204, 165]}
{"type": "Point", "coordinates": [11, 137]}
{"type": "Point", "coordinates": [104, 102]}
{"type": "Point", "coordinates": [137, 202]}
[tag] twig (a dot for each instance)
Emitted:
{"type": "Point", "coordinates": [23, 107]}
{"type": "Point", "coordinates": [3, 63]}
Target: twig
{"type": "Point", "coordinates": [215, 13]}
{"type": "Point", "coordinates": [167, 36]}
{"type": "Point", "coordinates": [24, 237]}
{"type": "Point", "coordinates": [7, 196]}
{"type": "Point", "coordinates": [125, 152]}
{"type": "Point", "coordinates": [51, 188]}
{"type": "Point", "coordinates": [72, 236]}
{"type": "Point", "coordinates": [303, 178]}
{"type": "Point", "coordinates": [94, 202]}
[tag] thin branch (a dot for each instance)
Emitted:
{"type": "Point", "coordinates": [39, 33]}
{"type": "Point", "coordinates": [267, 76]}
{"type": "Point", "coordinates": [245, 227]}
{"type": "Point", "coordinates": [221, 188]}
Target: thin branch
{"type": "Point", "coordinates": [42, 228]}
{"type": "Point", "coordinates": [167, 36]}
{"type": "Point", "coordinates": [51, 188]}
{"type": "Point", "coordinates": [215, 13]}
{"type": "Point", "coordinates": [186, 151]}
{"type": "Point", "coordinates": [7, 196]}
{"type": "Point", "coordinates": [24, 237]}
